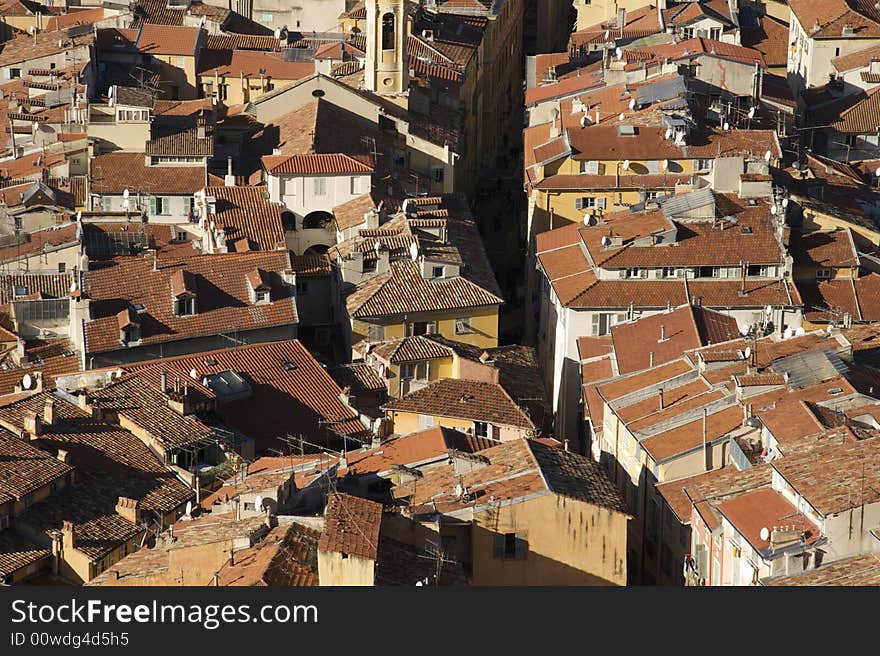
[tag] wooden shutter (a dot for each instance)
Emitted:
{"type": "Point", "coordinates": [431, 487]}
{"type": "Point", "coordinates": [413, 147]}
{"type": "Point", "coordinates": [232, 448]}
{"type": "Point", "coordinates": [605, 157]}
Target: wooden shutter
{"type": "Point", "coordinates": [499, 545]}
{"type": "Point", "coordinates": [521, 545]}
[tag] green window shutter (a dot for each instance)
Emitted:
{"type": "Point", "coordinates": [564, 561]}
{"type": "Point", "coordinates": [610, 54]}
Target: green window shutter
{"type": "Point", "coordinates": [105, 203]}
{"type": "Point", "coordinates": [499, 545]}
{"type": "Point", "coordinates": [152, 205]}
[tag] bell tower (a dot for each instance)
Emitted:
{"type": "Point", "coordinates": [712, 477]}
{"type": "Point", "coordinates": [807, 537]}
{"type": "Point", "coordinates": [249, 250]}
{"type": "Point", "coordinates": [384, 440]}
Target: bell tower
{"type": "Point", "coordinates": [387, 70]}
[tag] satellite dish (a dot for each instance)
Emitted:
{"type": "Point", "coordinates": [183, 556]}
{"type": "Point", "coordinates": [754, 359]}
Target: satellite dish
{"type": "Point", "coordinates": [768, 155]}
{"type": "Point", "coordinates": [258, 502]}
{"type": "Point", "coordinates": [381, 371]}
{"type": "Point", "coordinates": [619, 53]}
{"type": "Point", "coordinates": [79, 215]}
{"type": "Point", "coordinates": [668, 132]}
{"type": "Point", "coordinates": [773, 210]}
{"type": "Point", "coordinates": [665, 164]}
{"type": "Point", "coordinates": [584, 121]}
{"type": "Point", "coordinates": [784, 202]}
{"type": "Point", "coordinates": [726, 126]}
{"type": "Point", "coordinates": [413, 251]}
{"type": "Point", "coordinates": [194, 374]}
{"type": "Point", "coordinates": [605, 240]}
{"type": "Point", "coordinates": [588, 219]}
{"type": "Point", "coordinates": [125, 193]}
{"type": "Point", "coordinates": [877, 173]}
{"type": "Point", "coordinates": [799, 331]}
{"type": "Point", "coordinates": [765, 534]}
{"type": "Point", "coordinates": [189, 508]}
{"type": "Point", "coordinates": [607, 34]}
{"type": "Point", "coordinates": [626, 165]}
{"type": "Point", "coordinates": [27, 382]}
{"type": "Point", "coordinates": [752, 113]}
{"type": "Point", "coordinates": [621, 116]}
{"type": "Point", "coordinates": [459, 490]}
{"type": "Point", "coordinates": [377, 246]}
{"type": "Point", "coordinates": [632, 103]}
{"type": "Point", "coordinates": [768, 310]}
{"type": "Point", "coordinates": [787, 333]}
{"type": "Point", "coordinates": [748, 352]}
{"type": "Point", "coordinates": [743, 329]}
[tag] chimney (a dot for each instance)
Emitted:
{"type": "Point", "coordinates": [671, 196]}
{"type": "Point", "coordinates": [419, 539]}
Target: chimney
{"type": "Point", "coordinates": [127, 508]}
{"type": "Point", "coordinates": [68, 535]}
{"type": "Point", "coordinates": [200, 127]}
{"type": "Point", "coordinates": [651, 359]}
{"type": "Point", "coordinates": [231, 557]}
{"type": "Point", "coordinates": [49, 412]}
{"type": "Point", "coordinates": [62, 456]}
{"type": "Point", "coordinates": [565, 444]}
{"type": "Point", "coordinates": [662, 332]}
{"type": "Point", "coordinates": [32, 423]}
{"type": "Point", "coordinates": [660, 394]}
{"type": "Point", "coordinates": [163, 381]}
{"type": "Point", "coordinates": [229, 179]}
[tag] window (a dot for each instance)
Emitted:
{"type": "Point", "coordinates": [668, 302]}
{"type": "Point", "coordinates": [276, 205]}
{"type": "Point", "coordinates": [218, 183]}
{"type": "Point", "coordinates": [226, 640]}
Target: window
{"type": "Point", "coordinates": [481, 429]}
{"type": "Point", "coordinates": [437, 272]}
{"type": "Point", "coordinates": [262, 296]}
{"type": "Point", "coordinates": [669, 272]}
{"type": "Point", "coordinates": [376, 334]}
{"type": "Point", "coordinates": [421, 328]}
{"type": "Point", "coordinates": [14, 73]}
{"type": "Point", "coordinates": [106, 203]}
{"type": "Point", "coordinates": [181, 62]}
{"type": "Point", "coordinates": [222, 91]}
{"type": "Point", "coordinates": [320, 188]}
{"type": "Point", "coordinates": [584, 202]}
{"type": "Point", "coordinates": [388, 31]}
{"type": "Point", "coordinates": [636, 273]}
{"type": "Point", "coordinates": [354, 186]}
{"type": "Point", "coordinates": [511, 546]}
{"type": "Point", "coordinates": [415, 370]}
{"type": "Point", "coordinates": [62, 267]}
{"type": "Point", "coordinates": [159, 205]}
{"type": "Point", "coordinates": [705, 164]}
{"type": "Point", "coordinates": [185, 306]}
{"type": "Point", "coordinates": [268, 18]}
{"type": "Point", "coordinates": [463, 326]}
{"type": "Point", "coordinates": [823, 274]}
{"type": "Point", "coordinates": [438, 174]}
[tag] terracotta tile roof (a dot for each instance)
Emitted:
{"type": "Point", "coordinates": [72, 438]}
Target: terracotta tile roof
{"type": "Point", "coordinates": [42, 240]}
{"type": "Point", "coordinates": [770, 38]}
{"type": "Point", "coordinates": [853, 571]}
{"type": "Point", "coordinates": [824, 248]}
{"type": "Point", "coordinates": [241, 42]}
{"type": "Point", "coordinates": [823, 477]}
{"type": "Point", "coordinates": [246, 213]}
{"type": "Point", "coordinates": [24, 468]}
{"type": "Point", "coordinates": [300, 398]}
{"type": "Point", "coordinates": [30, 165]}
{"type": "Point", "coordinates": [638, 343]}
{"type": "Point", "coordinates": [315, 164]}
{"type": "Point", "coordinates": [17, 552]}
{"type": "Point", "coordinates": [147, 408]}
{"type": "Point", "coordinates": [51, 357]}
{"type": "Point", "coordinates": [602, 142]}
{"type": "Point", "coordinates": [464, 399]}
{"type": "Point", "coordinates": [682, 494]}
{"type": "Point", "coordinates": [351, 526]}
{"type": "Point", "coordinates": [682, 439]}
{"type": "Point", "coordinates": [765, 508]}
{"type": "Point", "coordinates": [513, 471]}
{"type": "Point", "coordinates": [639, 23]}
{"type": "Point", "coordinates": [828, 300]}
{"type": "Point", "coordinates": [351, 214]}
{"type": "Point", "coordinates": [286, 556]}
{"type": "Point", "coordinates": [168, 40]}
{"type": "Point", "coordinates": [176, 139]}
{"type": "Point", "coordinates": [585, 181]}
{"type": "Point", "coordinates": [308, 266]}
{"type": "Point", "coordinates": [223, 301]}
{"type": "Point", "coordinates": [826, 20]}
{"type": "Point", "coordinates": [359, 377]}
{"type": "Point", "coordinates": [861, 116]}
{"type": "Point", "coordinates": [24, 48]}
{"type": "Point", "coordinates": [855, 60]}
{"type": "Point", "coordinates": [112, 173]}
{"type": "Point", "coordinates": [412, 450]}
{"type": "Point", "coordinates": [47, 285]}
{"type": "Point", "coordinates": [75, 17]}
{"type": "Point", "coordinates": [249, 64]}
{"type": "Point", "coordinates": [184, 108]}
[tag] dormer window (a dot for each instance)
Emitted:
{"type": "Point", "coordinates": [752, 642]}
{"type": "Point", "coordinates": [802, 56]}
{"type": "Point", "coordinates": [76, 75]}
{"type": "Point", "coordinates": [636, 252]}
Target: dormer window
{"type": "Point", "coordinates": [183, 293]}
{"type": "Point", "coordinates": [129, 327]}
{"type": "Point", "coordinates": [437, 272]}
{"type": "Point", "coordinates": [259, 287]}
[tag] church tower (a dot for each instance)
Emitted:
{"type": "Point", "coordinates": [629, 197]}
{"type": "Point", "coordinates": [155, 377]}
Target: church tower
{"type": "Point", "coordinates": [387, 70]}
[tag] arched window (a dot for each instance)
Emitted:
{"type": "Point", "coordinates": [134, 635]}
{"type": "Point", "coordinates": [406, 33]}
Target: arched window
{"type": "Point", "coordinates": [288, 221]}
{"type": "Point", "coordinates": [388, 31]}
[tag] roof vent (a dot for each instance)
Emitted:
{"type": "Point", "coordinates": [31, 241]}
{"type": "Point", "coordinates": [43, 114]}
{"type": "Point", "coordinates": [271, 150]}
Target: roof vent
{"type": "Point", "coordinates": [287, 365]}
